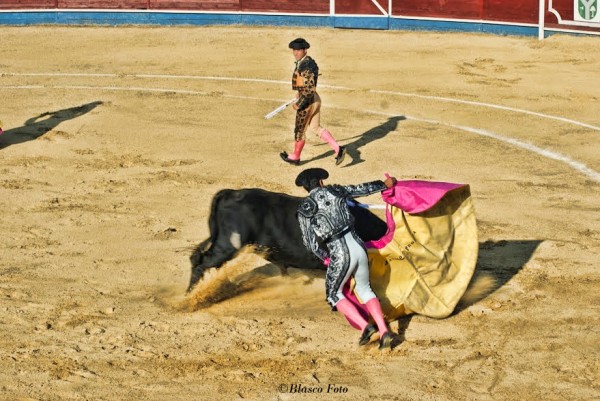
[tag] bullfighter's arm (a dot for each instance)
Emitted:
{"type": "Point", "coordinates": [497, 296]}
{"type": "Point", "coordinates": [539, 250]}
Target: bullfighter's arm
{"type": "Point", "coordinates": [310, 239]}
{"type": "Point", "coordinates": [306, 91]}
{"type": "Point", "coordinates": [365, 189]}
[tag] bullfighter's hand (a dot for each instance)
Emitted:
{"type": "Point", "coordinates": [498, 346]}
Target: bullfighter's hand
{"type": "Point", "coordinates": [390, 182]}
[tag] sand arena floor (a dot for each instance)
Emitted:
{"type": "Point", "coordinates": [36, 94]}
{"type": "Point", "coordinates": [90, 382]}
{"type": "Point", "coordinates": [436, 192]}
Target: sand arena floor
{"type": "Point", "coordinates": [117, 138]}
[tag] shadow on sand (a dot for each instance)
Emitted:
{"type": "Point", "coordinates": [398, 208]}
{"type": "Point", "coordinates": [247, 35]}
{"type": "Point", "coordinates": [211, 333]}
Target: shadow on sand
{"type": "Point", "coordinates": [353, 148]}
{"type": "Point", "coordinates": [37, 126]}
{"type": "Point", "coordinates": [497, 263]}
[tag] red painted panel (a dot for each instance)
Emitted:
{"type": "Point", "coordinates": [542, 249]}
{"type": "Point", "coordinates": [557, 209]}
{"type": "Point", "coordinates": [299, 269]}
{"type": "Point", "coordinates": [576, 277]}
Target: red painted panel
{"type": "Point", "coordinates": [20, 4]}
{"type": "Point", "coordinates": [103, 4]}
{"type": "Point", "coordinates": [359, 7]}
{"type": "Point", "coordinates": [287, 6]}
{"type": "Point", "coordinates": [466, 9]}
{"type": "Point", "coordinates": [564, 8]}
{"type": "Point", "coordinates": [512, 10]}
{"type": "Point", "coordinates": [200, 5]}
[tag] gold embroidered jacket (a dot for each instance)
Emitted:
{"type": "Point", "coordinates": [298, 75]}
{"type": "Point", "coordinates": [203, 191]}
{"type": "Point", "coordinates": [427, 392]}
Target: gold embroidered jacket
{"type": "Point", "coordinates": [304, 80]}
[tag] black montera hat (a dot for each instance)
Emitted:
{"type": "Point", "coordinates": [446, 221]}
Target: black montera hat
{"type": "Point", "coordinates": [298, 44]}
{"type": "Point", "coordinates": [309, 178]}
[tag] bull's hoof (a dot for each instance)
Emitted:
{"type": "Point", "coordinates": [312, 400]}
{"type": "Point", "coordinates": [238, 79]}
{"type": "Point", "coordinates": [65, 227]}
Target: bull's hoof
{"type": "Point", "coordinates": [367, 333]}
{"type": "Point", "coordinates": [285, 157]}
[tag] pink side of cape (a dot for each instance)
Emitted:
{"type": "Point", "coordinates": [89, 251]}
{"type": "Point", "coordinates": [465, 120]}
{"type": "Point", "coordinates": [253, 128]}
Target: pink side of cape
{"type": "Point", "coordinates": [411, 196]}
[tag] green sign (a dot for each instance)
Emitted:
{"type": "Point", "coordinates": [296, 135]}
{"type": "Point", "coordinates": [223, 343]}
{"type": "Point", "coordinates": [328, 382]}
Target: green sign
{"type": "Point", "coordinates": [586, 10]}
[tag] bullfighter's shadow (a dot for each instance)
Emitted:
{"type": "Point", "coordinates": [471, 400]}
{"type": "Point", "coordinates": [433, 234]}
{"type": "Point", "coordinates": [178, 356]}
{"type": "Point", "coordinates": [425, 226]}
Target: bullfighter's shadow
{"type": "Point", "coordinates": [39, 125]}
{"type": "Point", "coordinates": [353, 148]}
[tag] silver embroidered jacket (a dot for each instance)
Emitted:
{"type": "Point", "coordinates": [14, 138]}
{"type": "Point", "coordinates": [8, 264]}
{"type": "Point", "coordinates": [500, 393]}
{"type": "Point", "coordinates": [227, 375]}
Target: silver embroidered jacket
{"type": "Point", "coordinates": [324, 214]}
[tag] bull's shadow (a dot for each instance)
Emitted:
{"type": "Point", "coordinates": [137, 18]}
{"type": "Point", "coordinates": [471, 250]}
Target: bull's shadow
{"type": "Point", "coordinates": [353, 148]}
{"type": "Point", "coordinates": [39, 125]}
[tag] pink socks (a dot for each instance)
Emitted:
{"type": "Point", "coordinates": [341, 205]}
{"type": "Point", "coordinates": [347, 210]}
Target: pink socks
{"type": "Point", "coordinates": [374, 308]}
{"type": "Point", "coordinates": [298, 146]}
{"type": "Point", "coordinates": [352, 314]}
{"type": "Point", "coordinates": [354, 317]}
{"type": "Point", "coordinates": [327, 137]}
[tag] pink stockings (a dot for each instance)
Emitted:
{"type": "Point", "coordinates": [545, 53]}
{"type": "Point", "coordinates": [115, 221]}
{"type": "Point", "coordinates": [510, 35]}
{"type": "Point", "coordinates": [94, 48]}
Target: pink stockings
{"type": "Point", "coordinates": [374, 308]}
{"type": "Point", "coordinates": [298, 146]}
{"type": "Point", "coordinates": [348, 309]}
{"type": "Point", "coordinates": [327, 137]}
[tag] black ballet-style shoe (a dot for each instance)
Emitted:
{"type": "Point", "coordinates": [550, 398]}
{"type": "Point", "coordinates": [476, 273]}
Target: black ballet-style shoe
{"type": "Point", "coordinates": [339, 158]}
{"type": "Point", "coordinates": [285, 158]}
{"type": "Point", "coordinates": [367, 333]}
{"type": "Point", "coordinates": [385, 341]}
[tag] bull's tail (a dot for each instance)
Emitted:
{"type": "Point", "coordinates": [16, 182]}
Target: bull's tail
{"type": "Point", "coordinates": [213, 225]}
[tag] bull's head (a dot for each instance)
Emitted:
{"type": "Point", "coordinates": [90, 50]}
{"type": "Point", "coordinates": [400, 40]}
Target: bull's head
{"type": "Point", "coordinates": [196, 260]}
{"type": "Point", "coordinates": [197, 270]}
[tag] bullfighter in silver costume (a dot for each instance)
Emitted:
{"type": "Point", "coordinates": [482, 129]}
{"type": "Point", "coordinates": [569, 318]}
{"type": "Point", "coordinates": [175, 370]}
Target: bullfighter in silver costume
{"type": "Point", "coordinates": [326, 222]}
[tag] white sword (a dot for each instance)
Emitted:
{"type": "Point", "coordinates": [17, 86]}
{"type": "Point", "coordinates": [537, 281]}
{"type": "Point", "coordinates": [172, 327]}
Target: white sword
{"type": "Point", "coordinates": [279, 109]}
{"type": "Point", "coordinates": [364, 205]}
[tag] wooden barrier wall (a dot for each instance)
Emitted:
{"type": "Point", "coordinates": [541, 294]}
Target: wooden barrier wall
{"type": "Point", "coordinates": [490, 11]}
{"type": "Point", "coordinates": [523, 11]}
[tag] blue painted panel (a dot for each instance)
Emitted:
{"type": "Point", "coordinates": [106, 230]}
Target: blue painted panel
{"type": "Point", "coordinates": [99, 18]}
{"type": "Point", "coordinates": [428, 25]}
{"type": "Point", "coordinates": [519, 30]}
{"type": "Point", "coordinates": [193, 19]}
{"type": "Point", "coordinates": [31, 18]}
{"type": "Point", "coordinates": [287, 20]}
{"type": "Point", "coordinates": [459, 26]}
{"type": "Point", "coordinates": [362, 22]}
{"type": "Point", "coordinates": [158, 18]}
{"type": "Point", "coordinates": [116, 18]}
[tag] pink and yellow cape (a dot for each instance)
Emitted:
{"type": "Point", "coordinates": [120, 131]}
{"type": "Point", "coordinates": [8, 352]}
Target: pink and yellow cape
{"type": "Point", "coordinates": [425, 261]}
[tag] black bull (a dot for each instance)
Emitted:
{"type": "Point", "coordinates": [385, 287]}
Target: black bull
{"type": "Point", "coordinates": [267, 221]}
